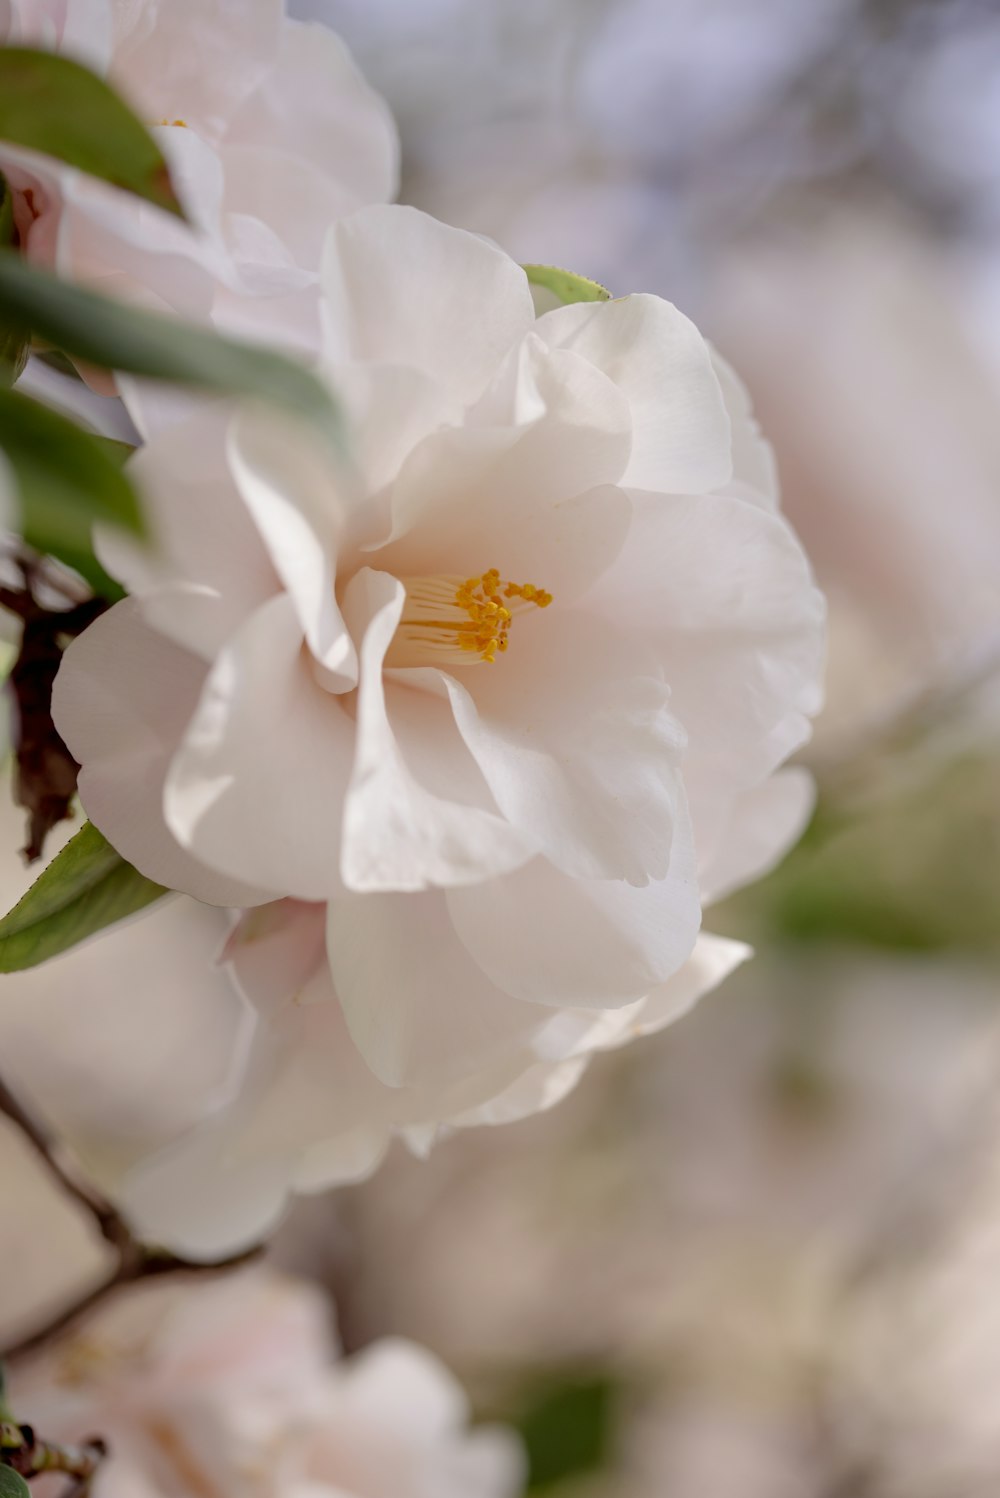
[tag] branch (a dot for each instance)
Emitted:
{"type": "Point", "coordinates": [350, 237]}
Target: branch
{"type": "Point", "coordinates": [112, 1226]}
{"type": "Point", "coordinates": [136, 1260]}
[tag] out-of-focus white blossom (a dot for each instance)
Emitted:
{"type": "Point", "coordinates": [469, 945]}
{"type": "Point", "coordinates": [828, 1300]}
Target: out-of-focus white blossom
{"type": "Point", "coordinates": [477, 863]}
{"type": "Point", "coordinates": [891, 462]}
{"type": "Point", "coordinates": [270, 133]}
{"type": "Point", "coordinates": [233, 1388]}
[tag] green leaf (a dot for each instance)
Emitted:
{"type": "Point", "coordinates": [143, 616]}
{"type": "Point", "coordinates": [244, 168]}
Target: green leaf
{"type": "Point", "coordinates": [12, 1484]}
{"type": "Point", "coordinates": [85, 888]}
{"type": "Point", "coordinates": [108, 333]}
{"type": "Point", "coordinates": [53, 105]}
{"type": "Point", "coordinates": [14, 342]}
{"type": "Point", "coordinates": [566, 286]}
{"type": "Point", "coordinates": [568, 1428]}
{"type": "Point", "coordinates": [66, 480]}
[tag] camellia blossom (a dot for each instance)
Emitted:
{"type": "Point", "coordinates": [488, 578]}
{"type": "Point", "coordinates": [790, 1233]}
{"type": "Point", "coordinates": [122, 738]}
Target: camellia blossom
{"type": "Point", "coordinates": [472, 730]}
{"type": "Point", "coordinates": [234, 1387]}
{"type": "Point", "coordinates": [270, 133]}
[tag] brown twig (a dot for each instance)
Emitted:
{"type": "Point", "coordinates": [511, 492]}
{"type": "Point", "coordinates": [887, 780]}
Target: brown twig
{"type": "Point", "coordinates": [136, 1260]}
{"type": "Point", "coordinates": [46, 772]}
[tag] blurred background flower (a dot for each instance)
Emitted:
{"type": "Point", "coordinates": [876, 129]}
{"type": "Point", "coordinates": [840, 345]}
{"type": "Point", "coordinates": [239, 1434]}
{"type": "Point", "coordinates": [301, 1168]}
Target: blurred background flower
{"type": "Point", "coordinates": [234, 1388]}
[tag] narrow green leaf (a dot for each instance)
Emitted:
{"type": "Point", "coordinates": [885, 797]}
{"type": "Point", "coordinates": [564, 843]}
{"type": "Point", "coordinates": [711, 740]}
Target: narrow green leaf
{"type": "Point", "coordinates": [85, 888]}
{"type": "Point", "coordinates": [14, 341]}
{"type": "Point", "coordinates": [566, 286]}
{"type": "Point", "coordinates": [108, 333]}
{"type": "Point", "coordinates": [66, 480]}
{"type": "Point", "coordinates": [12, 1484]}
{"type": "Point", "coordinates": [54, 105]}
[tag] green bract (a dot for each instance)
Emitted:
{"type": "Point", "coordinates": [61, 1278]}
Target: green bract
{"type": "Point", "coordinates": [565, 285]}
{"type": "Point", "coordinates": [85, 888]}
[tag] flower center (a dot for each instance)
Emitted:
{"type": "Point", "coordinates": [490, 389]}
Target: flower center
{"type": "Point", "coordinates": [460, 621]}
{"type": "Point", "coordinates": [181, 123]}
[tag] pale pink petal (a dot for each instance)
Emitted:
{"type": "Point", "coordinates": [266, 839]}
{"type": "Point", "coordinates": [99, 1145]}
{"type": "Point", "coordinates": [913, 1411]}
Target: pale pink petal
{"type": "Point", "coordinates": [549, 429]}
{"type": "Point", "coordinates": [390, 409]}
{"type": "Point", "coordinates": [274, 951]}
{"type": "Point", "coordinates": [195, 60]}
{"type": "Point", "coordinates": [539, 1088]}
{"type": "Point", "coordinates": [194, 1201]}
{"type": "Point", "coordinates": [382, 306]}
{"type": "Point", "coordinates": [399, 834]}
{"type": "Point", "coordinates": [202, 535]}
{"type": "Point", "coordinates": [657, 357]}
{"type": "Point", "coordinates": [122, 700]}
{"type": "Point", "coordinates": [713, 959]}
{"type": "Point", "coordinates": [148, 1030]}
{"type": "Point", "coordinates": [762, 825]}
{"type": "Point", "coordinates": [256, 785]}
{"type": "Point", "coordinates": [417, 1006]}
{"type": "Point", "coordinates": [81, 29]}
{"type": "Point", "coordinates": [292, 197]}
{"type": "Point", "coordinates": [315, 104]}
{"type": "Point", "coordinates": [125, 247]}
{"type": "Point", "coordinates": [755, 471]}
{"type": "Point", "coordinates": [295, 492]}
{"type": "Point", "coordinates": [549, 939]}
{"type": "Point", "coordinates": [740, 628]}
{"type": "Point", "coordinates": [573, 733]}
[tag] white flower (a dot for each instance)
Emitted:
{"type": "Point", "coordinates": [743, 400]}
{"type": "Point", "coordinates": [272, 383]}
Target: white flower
{"type": "Point", "coordinates": [232, 1388]}
{"type": "Point", "coordinates": [490, 817]}
{"type": "Point", "coordinates": [270, 133]}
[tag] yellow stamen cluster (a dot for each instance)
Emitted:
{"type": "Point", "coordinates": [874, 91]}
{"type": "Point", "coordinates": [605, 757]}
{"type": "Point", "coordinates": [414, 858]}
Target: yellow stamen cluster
{"type": "Point", "coordinates": [489, 618]}
{"type": "Point", "coordinates": [181, 123]}
{"type": "Point", "coordinates": [446, 619]}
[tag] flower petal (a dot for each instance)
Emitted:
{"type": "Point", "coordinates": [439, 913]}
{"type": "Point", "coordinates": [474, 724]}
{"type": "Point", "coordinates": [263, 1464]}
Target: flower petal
{"type": "Point", "coordinates": [713, 959]}
{"type": "Point", "coordinates": [129, 1040]}
{"type": "Point", "coordinates": [418, 1008]}
{"type": "Point", "coordinates": [315, 104]}
{"type": "Point", "coordinates": [121, 701]}
{"type": "Point", "coordinates": [157, 66]}
{"type": "Point", "coordinates": [537, 1090]}
{"type": "Point", "coordinates": [550, 429]}
{"type": "Point", "coordinates": [287, 484]}
{"type": "Point", "coordinates": [549, 939]}
{"type": "Point", "coordinates": [657, 357]}
{"type": "Point", "coordinates": [755, 471]}
{"type": "Point", "coordinates": [763, 824]}
{"type": "Point", "coordinates": [382, 306]}
{"type": "Point", "coordinates": [399, 834]}
{"type": "Point", "coordinates": [574, 736]}
{"type": "Point", "coordinates": [201, 534]}
{"type": "Point", "coordinates": [256, 785]}
{"type": "Point", "coordinates": [740, 628]}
